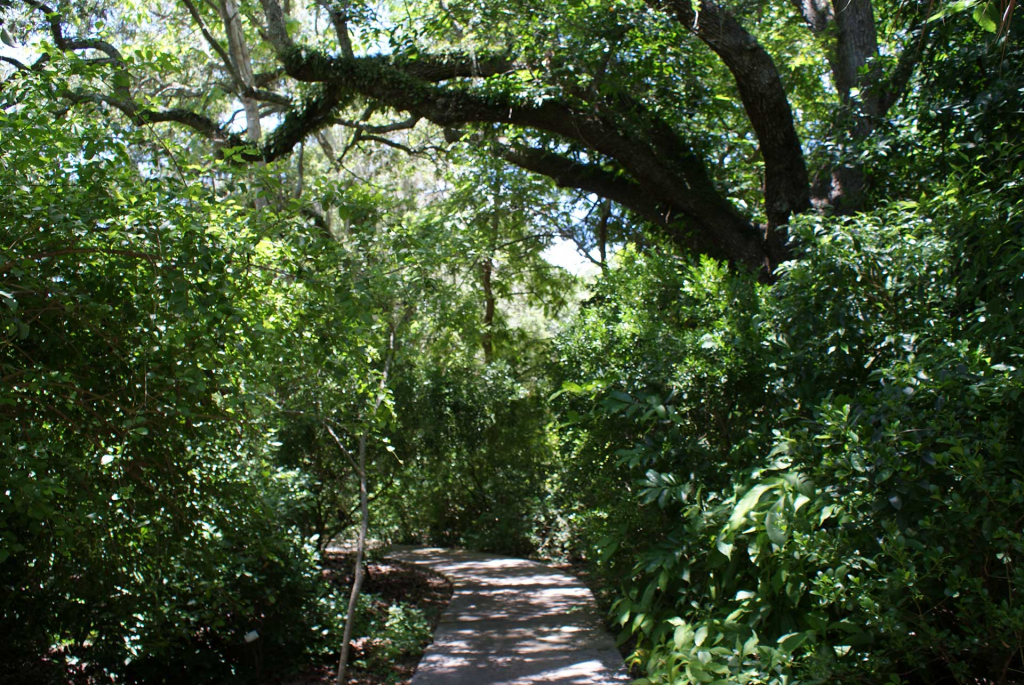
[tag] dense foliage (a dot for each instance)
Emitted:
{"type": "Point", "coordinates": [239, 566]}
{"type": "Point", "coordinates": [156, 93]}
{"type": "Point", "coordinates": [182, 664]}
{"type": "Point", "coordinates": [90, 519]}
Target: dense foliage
{"type": "Point", "coordinates": [139, 511]}
{"type": "Point", "coordinates": [782, 420]}
{"type": "Point", "coordinates": [828, 475]}
{"type": "Point", "coordinates": [480, 436]}
{"type": "Point", "coordinates": [159, 347]}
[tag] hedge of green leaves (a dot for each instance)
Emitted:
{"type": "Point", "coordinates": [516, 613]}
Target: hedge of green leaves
{"type": "Point", "coordinates": [138, 502]}
{"type": "Point", "coordinates": [474, 455]}
{"type": "Point", "coordinates": [819, 480]}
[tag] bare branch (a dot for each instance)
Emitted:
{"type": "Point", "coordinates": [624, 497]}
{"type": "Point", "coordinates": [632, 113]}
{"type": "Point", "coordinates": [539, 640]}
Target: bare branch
{"type": "Point", "coordinates": [142, 116]}
{"type": "Point", "coordinates": [327, 146]}
{"type": "Point", "coordinates": [898, 81]}
{"type": "Point", "coordinates": [390, 143]}
{"type": "Point", "coordinates": [217, 47]}
{"type": "Point", "coordinates": [10, 60]}
{"type": "Point", "coordinates": [56, 30]}
{"type": "Point", "coordinates": [268, 96]}
{"type": "Point", "coordinates": [344, 450]}
{"type": "Point", "coordinates": [385, 128]}
{"type": "Point", "coordinates": [591, 178]}
{"type": "Point", "coordinates": [95, 44]}
{"type": "Point", "coordinates": [265, 79]}
{"type": "Point", "coordinates": [340, 22]}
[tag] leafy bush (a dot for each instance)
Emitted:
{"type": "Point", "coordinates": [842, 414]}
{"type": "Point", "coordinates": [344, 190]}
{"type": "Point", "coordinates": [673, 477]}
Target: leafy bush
{"type": "Point", "coordinates": [405, 631]}
{"type": "Point", "coordinates": [828, 471]}
{"type": "Point", "coordinates": [138, 507]}
{"type": "Point", "coordinates": [478, 433]}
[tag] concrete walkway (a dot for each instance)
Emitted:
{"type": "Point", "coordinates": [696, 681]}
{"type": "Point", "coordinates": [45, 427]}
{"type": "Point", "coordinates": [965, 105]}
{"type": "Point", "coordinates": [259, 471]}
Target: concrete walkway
{"type": "Point", "coordinates": [513, 622]}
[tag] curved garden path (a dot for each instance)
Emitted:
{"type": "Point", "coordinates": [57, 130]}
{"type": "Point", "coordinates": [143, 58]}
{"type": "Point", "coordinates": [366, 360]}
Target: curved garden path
{"type": "Point", "coordinates": [513, 622]}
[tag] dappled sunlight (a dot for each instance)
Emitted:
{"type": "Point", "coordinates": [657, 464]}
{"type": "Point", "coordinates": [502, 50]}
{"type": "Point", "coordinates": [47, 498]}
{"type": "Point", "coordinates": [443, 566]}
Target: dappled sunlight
{"type": "Point", "coordinates": [514, 621]}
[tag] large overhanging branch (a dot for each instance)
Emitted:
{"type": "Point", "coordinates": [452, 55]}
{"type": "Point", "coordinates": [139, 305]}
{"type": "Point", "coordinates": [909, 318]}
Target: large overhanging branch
{"type": "Point", "coordinates": [421, 88]}
{"type": "Point", "coordinates": [720, 232]}
{"type": "Point", "coordinates": [679, 183]}
{"type": "Point", "coordinates": [675, 190]}
{"type": "Point", "coordinates": [417, 86]}
{"type": "Point", "coordinates": [142, 116]}
{"type": "Point", "coordinates": [787, 187]}
{"type": "Point", "coordinates": [13, 62]}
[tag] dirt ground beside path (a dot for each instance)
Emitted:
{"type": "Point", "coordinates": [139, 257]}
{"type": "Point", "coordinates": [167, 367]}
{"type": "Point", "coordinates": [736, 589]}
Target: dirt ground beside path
{"type": "Point", "coordinates": [391, 581]}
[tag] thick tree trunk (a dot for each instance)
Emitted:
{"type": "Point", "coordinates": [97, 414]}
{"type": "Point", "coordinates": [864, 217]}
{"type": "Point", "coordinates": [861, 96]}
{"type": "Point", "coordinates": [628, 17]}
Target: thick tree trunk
{"type": "Point", "coordinates": [865, 91]}
{"type": "Point", "coordinates": [856, 48]}
{"type": "Point", "coordinates": [786, 183]}
{"type": "Point", "coordinates": [857, 76]}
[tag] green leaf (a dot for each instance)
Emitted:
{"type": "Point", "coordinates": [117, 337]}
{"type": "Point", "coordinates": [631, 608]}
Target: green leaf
{"type": "Point", "coordinates": [621, 397]}
{"type": "Point", "coordinates": [608, 547]}
{"type": "Point", "coordinates": [772, 524]}
{"type": "Point", "coordinates": [792, 641]}
{"type": "Point", "coordinates": [682, 636]}
{"type": "Point", "coordinates": [986, 16]}
{"type": "Point", "coordinates": [624, 613]}
{"type": "Point", "coordinates": [648, 598]}
{"type": "Point", "coordinates": [748, 502]}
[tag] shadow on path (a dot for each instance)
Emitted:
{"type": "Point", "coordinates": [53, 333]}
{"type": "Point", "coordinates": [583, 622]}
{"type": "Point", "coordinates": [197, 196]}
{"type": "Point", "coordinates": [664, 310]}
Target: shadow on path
{"type": "Point", "coordinates": [513, 621]}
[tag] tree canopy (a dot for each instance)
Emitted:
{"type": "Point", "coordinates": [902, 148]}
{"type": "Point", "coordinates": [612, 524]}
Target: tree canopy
{"type": "Point", "coordinates": [713, 123]}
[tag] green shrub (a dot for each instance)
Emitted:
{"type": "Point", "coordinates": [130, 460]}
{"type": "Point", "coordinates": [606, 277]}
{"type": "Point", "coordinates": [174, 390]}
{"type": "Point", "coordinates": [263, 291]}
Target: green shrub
{"type": "Point", "coordinates": [138, 506]}
{"type": "Point", "coordinates": [828, 471]}
{"type": "Point", "coordinates": [478, 433]}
